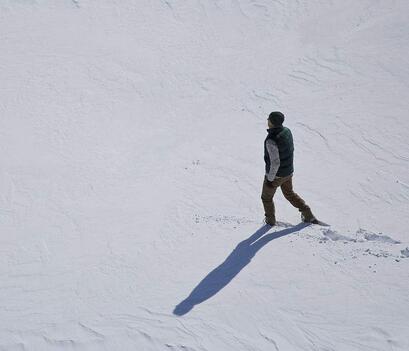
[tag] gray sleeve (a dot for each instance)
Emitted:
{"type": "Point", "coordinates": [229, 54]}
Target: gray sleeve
{"type": "Point", "coordinates": [274, 155]}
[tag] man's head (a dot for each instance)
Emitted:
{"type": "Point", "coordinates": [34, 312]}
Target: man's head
{"type": "Point", "coordinates": [275, 119]}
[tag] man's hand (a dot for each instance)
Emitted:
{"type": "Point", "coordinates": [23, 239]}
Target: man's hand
{"type": "Point", "coordinates": [268, 182]}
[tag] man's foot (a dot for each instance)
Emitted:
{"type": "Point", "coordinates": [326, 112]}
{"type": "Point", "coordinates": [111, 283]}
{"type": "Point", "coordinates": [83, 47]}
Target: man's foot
{"type": "Point", "coordinates": [269, 221]}
{"type": "Point", "coordinates": [314, 221]}
{"type": "Point", "coordinates": [308, 217]}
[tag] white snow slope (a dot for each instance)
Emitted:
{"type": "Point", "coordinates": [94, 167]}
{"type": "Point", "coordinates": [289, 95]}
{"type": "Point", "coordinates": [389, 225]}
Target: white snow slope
{"type": "Point", "coordinates": [131, 143]}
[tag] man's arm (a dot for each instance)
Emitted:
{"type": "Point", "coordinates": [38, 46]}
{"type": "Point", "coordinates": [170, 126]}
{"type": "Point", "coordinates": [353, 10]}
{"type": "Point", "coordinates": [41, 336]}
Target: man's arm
{"type": "Point", "coordinates": [274, 156]}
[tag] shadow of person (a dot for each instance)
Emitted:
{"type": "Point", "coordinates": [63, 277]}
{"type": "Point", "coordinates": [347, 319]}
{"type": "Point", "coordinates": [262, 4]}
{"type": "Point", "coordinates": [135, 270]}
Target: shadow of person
{"type": "Point", "coordinates": [240, 257]}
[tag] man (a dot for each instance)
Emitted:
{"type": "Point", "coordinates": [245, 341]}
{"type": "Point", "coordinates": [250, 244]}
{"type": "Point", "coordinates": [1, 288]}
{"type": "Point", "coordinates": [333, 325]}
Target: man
{"type": "Point", "coordinates": [278, 156]}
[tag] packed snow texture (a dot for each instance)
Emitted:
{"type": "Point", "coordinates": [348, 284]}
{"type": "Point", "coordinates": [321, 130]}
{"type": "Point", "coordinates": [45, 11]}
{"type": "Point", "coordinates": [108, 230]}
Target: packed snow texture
{"type": "Point", "coordinates": [131, 142]}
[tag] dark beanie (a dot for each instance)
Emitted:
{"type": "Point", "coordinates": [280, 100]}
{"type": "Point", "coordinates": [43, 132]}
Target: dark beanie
{"type": "Point", "coordinates": [277, 118]}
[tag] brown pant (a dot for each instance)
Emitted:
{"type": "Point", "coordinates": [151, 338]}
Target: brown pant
{"type": "Point", "coordinates": [286, 184]}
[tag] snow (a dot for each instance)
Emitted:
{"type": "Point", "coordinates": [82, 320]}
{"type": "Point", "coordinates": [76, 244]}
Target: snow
{"type": "Point", "coordinates": [131, 140]}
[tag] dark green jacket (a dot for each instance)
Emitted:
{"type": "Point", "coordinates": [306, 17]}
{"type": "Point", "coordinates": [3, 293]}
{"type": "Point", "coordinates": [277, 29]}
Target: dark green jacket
{"type": "Point", "coordinates": [279, 138]}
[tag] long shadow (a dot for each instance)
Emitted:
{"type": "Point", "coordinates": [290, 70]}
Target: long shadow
{"type": "Point", "coordinates": [222, 275]}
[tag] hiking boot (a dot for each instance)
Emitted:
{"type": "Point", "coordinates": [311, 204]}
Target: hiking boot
{"type": "Point", "coordinates": [269, 221]}
{"type": "Point", "coordinates": [308, 217]}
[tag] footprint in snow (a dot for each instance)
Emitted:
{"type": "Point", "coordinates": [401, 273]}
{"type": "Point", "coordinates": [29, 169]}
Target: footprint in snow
{"type": "Point", "coordinates": [376, 237]}
{"type": "Point", "coordinates": [405, 252]}
{"type": "Point", "coordinates": [379, 243]}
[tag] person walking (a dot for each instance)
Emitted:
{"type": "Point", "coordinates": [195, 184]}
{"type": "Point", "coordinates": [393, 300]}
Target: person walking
{"type": "Point", "coordinates": [278, 156]}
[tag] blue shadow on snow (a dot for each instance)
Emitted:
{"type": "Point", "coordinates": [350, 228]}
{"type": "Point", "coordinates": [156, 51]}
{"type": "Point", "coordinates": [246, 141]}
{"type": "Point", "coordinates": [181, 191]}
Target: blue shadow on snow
{"type": "Point", "coordinates": [222, 275]}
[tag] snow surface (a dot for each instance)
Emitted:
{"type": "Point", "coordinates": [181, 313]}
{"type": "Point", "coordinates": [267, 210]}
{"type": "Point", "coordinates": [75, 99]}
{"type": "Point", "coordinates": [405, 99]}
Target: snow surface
{"type": "Point", "coordinates": [131, 140]}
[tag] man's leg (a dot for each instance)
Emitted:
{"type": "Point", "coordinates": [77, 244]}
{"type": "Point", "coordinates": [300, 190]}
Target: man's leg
{"type": "Point", "coordinates": [267, 195]}
{"type": "Point", "coordinates": [296, 200]}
